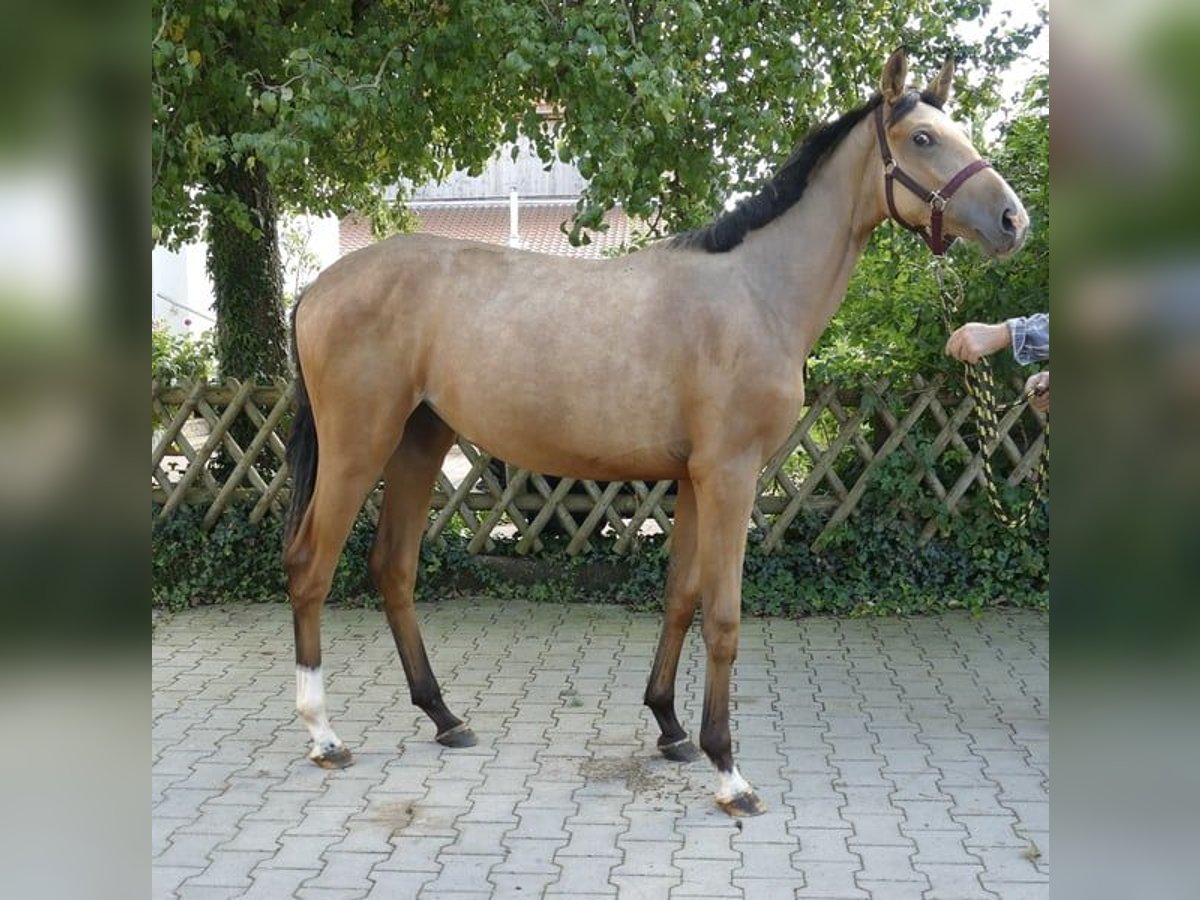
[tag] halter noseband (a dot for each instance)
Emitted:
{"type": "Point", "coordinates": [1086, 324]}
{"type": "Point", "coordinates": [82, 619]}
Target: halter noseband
{"type": "Point", "coordinates": [937, 200]}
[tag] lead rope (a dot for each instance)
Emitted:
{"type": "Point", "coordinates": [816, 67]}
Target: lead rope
{"type": "Point", "coordinates": [981, 388]}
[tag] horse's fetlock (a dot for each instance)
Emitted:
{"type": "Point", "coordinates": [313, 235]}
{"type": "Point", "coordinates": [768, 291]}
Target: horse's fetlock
{"type": "Point", "coordinates": [658, 698]}
{"type": "Point", "coordinates": [717, 747]}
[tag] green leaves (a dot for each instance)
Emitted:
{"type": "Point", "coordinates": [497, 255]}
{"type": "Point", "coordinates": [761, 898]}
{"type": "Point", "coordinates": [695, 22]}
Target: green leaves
{"type": "Point", "coordinates": [873, 566]}
{"type": "Point", "coordinates": [707, 90]}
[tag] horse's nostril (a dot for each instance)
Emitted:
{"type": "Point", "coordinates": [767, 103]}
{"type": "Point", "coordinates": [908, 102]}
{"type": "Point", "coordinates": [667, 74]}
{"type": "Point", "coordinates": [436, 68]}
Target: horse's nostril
{"type": "Point", "coordinates": [1008, 222]}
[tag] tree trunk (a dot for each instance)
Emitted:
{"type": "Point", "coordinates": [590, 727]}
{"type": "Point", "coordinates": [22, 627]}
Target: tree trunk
{"type": "Point", "coordinates": [247, 276]}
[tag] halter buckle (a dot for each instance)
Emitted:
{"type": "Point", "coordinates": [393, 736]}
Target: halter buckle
{"type": "Point", "coordinates": [937, 201]}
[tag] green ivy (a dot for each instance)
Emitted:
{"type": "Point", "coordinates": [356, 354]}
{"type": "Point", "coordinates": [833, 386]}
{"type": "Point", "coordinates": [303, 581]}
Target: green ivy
{"type": "Point", "coordinates": [872, 565]}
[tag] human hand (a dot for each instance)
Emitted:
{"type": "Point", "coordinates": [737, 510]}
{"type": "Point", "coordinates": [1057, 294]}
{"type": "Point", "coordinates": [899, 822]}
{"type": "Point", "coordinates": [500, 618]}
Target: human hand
{"type": "Point", "coordinates": [1039, 385]}
{"type": "Point", "coordinates": [971, 342]}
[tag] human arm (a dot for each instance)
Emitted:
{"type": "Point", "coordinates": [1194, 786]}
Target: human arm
{"type": "Point", "coordinates": [1030, 336]}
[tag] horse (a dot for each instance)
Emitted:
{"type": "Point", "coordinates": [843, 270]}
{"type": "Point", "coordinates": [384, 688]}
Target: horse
{"type": "Point", "coordinates": [683, 360]}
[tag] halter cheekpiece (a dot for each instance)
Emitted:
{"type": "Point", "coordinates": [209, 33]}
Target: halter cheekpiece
{"type": "Point", "coordinates": [937, 200]}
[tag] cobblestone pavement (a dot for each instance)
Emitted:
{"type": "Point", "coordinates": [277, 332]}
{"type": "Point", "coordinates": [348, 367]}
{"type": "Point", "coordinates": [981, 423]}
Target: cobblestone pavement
{"type": "Point", "coordinates": [899, 758]}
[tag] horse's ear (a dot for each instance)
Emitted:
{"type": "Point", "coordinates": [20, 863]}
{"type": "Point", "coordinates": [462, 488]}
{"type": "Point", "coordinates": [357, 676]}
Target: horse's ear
{"type": "Point", "coordinates": [895, 76]}
{"type": "Point", "coordinates": [940, 86]}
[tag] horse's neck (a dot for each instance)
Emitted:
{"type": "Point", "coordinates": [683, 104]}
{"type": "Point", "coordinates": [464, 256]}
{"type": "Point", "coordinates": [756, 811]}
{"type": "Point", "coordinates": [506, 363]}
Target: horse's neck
{"type": "Point", "coordinates": [809, 253]}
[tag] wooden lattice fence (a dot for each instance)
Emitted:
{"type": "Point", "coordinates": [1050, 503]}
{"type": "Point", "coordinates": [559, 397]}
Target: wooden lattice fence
{"type": "Point", "coordinates": [215, 444]}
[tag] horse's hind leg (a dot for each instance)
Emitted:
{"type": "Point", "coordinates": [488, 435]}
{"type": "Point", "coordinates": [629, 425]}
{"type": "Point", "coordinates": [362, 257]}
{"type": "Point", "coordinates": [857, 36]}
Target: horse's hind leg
{"type": "Point", "coordinates": [409, 478]}
{"type": "Point", "coordinates": [310, 561]}
{"type": "Point", "coordinates": [683, 593]}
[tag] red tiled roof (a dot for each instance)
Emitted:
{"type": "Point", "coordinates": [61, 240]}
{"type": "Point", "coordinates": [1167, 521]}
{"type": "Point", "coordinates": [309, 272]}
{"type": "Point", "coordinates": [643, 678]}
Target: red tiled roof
{"type": "Point", "coordinates": [488, 222]}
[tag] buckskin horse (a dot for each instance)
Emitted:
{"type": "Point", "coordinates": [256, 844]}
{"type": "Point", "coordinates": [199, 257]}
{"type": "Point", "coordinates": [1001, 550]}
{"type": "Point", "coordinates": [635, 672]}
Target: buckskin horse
{"type": "Point", "coordinates": [404, 344]}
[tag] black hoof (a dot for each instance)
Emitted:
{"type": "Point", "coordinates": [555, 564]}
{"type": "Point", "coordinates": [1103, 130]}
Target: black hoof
{"type": "Point", "coordinates": [458, 736]}
{"type": "Point", "coordinates": [337, 758]}
{"type": "Point", "coordinates": [746, 804]}
{"type": "Point", "coordinates": [683, 751]}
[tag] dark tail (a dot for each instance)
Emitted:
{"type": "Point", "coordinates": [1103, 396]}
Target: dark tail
{"type": "Point", "coordinates": [301, 448]}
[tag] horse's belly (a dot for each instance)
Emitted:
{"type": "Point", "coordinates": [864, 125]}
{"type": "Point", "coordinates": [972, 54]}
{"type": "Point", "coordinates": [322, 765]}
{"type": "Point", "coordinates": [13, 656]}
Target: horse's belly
{"type": "Point", "coordinates": [575, 440]}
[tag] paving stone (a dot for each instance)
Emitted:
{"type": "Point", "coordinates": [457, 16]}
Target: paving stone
{"type": "Point", "coordinates": [413, 853]}
{"type": "Point", "coordinates": [524, 886]}
{"type": "Point", "coordinates": [300, 852]}
{"type": "Point", "coordinates": [467, 874]}
{"type": "Point", "coordinates": [543, 823]}
{"type": "Point", "coordinates": [583, 875]}
{"type": "Point", "coordinates": [391, 885]}
{"type": "Point", "coordinates": [990, 831]}
{"type": "Point", "coordinates": [707, 843]}
{"type": "Point", "coordinates": [643, 887]}
{"type": "Point", "coordinates": [830, 879]}
{"type": "Point", "coordinates": [878, 830]}
{"type": "Point", "coordinates": [190, 849]}
{"type": "Point", "coordinates": [766, 860]}
{"type": "Point", "coordinates": [165, 881]}
{"type": "Point", "coordinates": [899, 759]}
{"type": "Point", "coordinates": [230, 868]}
{"type": "Point", "coordinates": [955, 882]}
{"type": "Point", "coordinates": [479, 839]}
{"type": "Point", "coordinates": [703, 878]}
{"type": "Point", "coordinates": [942, 847]}
{"type": "Point", "coordinates": [824, 845]}
{"type": "Point", "coordinates": [271, 884]}
{"type": "Point", "coordinates": [1009, 864]}
{"type": "Point", "coordinates": [887, 863]}
{"type": "Point", "coordinates": [208, 893]}
{"type": "Point", "coordinates": [894, 890]}
{"type": "Point", "coordinates": [1030, 816]}
{"type": "Point", "coordinates": [530, 856]}
{"type": "Point", "coordinates": [1018, 891]}
{"type": "Point", "coordinates": [346, 871]}
{"type": "Point", "coordinates": [927, 815]}
{"type": "Point", "coordinates": [592, 841]}
{"type": "Point", "coordinates": [316, 893]}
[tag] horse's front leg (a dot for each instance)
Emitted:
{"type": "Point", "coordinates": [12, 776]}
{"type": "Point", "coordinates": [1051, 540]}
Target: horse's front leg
{"type": "Point", "coordinates": [724, 497]}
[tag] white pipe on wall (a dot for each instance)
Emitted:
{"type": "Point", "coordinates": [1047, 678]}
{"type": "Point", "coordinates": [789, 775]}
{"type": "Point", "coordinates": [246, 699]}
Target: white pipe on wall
{"type": "Point", "coordinates": [514, 232]}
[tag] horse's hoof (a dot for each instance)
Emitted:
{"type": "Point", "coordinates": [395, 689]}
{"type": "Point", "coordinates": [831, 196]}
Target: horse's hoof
{"type": "Point", "coordinates": [458, 736]}
{"type": "Point", "coordinates": [337, 758]}
{"type": "Point", "coordinates": [683, 751]}
{"type": "Point", "coordinates": [747, 804]}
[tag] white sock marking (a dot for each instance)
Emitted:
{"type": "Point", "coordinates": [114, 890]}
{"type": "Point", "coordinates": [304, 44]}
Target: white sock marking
{"type": "Point", "coordinates": [310, 703]}
{"type": "Point", "coordinates": [731, 784]}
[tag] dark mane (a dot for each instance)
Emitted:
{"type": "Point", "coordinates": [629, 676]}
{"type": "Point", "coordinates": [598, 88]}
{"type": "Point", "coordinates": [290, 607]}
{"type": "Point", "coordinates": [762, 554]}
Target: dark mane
{"type": "Point", "coordinates": [786, 186]}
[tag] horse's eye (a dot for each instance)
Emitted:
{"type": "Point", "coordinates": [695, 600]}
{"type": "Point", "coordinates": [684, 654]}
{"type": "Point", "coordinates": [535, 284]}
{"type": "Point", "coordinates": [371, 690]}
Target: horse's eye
{"type": "Point", "coordinates": [922, 138]}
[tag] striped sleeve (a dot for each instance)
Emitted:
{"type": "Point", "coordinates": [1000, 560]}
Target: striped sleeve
{"type": "Point", "coordinates": [1030, 338]}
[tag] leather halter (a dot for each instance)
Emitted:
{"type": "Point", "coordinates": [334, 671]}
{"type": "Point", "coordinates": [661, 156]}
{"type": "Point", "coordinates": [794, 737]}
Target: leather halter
{"type": "Point", "coordinates": [937, 200]}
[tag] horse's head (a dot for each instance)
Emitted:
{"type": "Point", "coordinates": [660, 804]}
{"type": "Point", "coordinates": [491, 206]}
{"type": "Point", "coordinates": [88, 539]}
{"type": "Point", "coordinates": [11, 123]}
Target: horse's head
{"type": "Point", "coordinates": [933, 179]}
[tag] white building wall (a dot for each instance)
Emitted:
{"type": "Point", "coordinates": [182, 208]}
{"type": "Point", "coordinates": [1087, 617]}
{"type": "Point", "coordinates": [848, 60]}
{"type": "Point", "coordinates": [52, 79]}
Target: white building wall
{"type": "Point", "coordinates": [182, 294]}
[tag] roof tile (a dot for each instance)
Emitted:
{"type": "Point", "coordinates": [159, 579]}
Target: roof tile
{"type": "Point", "coordinates": [539, 226]}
